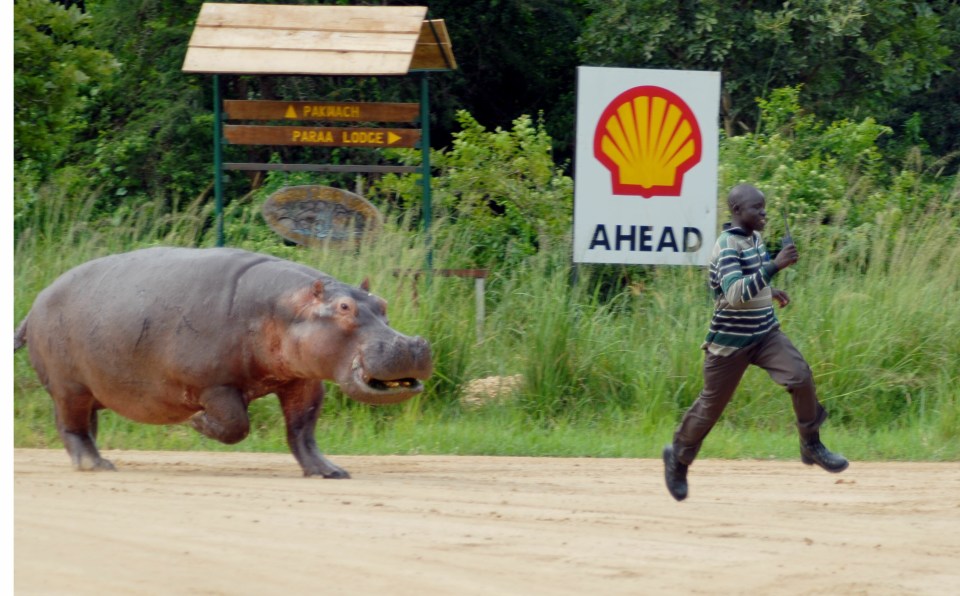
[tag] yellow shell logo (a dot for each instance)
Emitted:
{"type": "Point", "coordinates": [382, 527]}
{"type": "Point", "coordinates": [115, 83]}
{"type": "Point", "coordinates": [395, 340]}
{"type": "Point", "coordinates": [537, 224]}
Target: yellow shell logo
{"type": "Point", "coordinates": [648, 138]}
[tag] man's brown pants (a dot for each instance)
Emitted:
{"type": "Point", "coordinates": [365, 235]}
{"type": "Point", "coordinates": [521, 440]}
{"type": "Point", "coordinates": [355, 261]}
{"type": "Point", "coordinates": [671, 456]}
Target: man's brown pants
{"type": "Point", "coordinates": [721, 376]}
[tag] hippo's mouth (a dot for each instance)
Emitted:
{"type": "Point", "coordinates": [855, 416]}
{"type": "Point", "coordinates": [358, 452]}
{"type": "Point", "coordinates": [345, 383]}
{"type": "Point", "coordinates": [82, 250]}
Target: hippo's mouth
{"type": "Point", "coordinates": [367, 388]}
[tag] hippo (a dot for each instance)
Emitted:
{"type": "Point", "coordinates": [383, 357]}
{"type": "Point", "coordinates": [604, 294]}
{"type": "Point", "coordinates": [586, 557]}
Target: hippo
{"type": "Point", "coordinates": [193, 335]}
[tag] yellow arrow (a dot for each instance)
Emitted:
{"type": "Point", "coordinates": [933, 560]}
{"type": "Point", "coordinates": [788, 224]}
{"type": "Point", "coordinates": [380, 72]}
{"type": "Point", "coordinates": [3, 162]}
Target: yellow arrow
{"type": "Point", "coordinates": [291, 113]}
{"type": "Point", "coordinates": [392, 138]}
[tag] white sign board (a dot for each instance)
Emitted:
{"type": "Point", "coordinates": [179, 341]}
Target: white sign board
{"type": "Point", "coordinates": [646, 166]}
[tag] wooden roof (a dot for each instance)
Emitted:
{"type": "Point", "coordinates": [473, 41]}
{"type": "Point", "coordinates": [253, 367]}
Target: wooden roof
{"type": "Point", "coordinates": [316, 40]}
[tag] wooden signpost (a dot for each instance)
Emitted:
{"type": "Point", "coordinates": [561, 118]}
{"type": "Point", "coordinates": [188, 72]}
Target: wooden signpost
{"type": "Point", "coordinates": [318, 40]}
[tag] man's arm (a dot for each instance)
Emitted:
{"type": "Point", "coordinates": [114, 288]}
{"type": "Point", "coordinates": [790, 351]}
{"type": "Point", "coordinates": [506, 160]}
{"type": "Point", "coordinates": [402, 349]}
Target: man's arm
{"type": "Point", "coordinates": [738, 288]}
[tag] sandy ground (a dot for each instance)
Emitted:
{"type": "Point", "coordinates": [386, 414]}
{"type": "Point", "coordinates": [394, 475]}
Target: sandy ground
{"type": "Point", "coordinates": [242, 523]}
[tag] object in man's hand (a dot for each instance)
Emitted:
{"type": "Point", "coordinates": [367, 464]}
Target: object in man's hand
{"type": "Point", "coordinates": [787, 238]}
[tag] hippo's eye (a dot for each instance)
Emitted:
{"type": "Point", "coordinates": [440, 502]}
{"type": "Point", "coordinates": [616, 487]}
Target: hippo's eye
{"type": "Point", "coordinates": [347, 307]}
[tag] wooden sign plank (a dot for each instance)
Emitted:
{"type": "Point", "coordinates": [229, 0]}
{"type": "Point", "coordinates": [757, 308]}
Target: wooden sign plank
{"type": "Point", "coordinates": [299, 39]}
{"type": "Point", "coordinates": [239, 134]}
{"type": "Point", "coordinates": [286, 16]}
{"type": "Point", "coordinates": [315, 167]}
{"type": "Point", "coordinates": [294, 62]}
{"type": "Point", "coordinates": [236, 109]}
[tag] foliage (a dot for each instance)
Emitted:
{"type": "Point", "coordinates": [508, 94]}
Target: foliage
{"type": "Point", "coordinates": [828, 172]}
{"type": "Point", "coordinates": [499, 193]}
{"type": "Point", "coordinates": [806, 166]}
{"type": "Point", "coordinates": [864, 56]}
{"type": "Point", "coordinates": [57, 71]}
{"type": "Point", "coordinates": [515, 57]}
{"type": "Point", "coordinates": [150, 134]}
{"type": "Point", "coordinates": [928, 119]}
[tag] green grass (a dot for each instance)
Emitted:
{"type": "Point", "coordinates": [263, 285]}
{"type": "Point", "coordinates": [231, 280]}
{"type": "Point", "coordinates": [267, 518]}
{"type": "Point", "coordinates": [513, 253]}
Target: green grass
{"type": "Point", "coordinates": [604, 377]}
{"type": "Point", "coordinates": [493, 430]}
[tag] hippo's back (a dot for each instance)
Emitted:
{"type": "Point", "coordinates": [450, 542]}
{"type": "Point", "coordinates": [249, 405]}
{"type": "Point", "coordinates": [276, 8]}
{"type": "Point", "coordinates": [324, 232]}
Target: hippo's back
{"type": "Point", "coordinates": [163, 281]}
{"type": "Point", "coordinates": [134, 317]}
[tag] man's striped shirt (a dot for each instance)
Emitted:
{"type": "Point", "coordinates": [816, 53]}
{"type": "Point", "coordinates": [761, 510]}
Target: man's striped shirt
{"type": "Point", "coordinates": [740, 276]}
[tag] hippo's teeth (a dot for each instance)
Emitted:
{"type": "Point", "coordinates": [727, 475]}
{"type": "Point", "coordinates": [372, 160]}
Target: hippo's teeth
{"type": "Point", "coordinates": [393, 384]}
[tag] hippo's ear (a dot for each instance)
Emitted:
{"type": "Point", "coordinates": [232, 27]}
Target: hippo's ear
{"type": "Point", "coordinates": [318, 289]}
{"type": "Point", "coordinates": [365, 284]}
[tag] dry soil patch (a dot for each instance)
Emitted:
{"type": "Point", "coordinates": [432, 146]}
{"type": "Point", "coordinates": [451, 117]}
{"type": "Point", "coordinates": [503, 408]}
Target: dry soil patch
{"type": "Point", "coordinates": [243, 523]}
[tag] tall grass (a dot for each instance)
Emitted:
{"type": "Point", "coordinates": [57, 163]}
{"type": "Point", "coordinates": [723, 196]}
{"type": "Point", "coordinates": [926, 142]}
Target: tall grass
{"type": "Point", "coordinates": [878, 321]}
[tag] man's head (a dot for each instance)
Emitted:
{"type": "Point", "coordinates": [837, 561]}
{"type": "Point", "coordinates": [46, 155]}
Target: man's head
{"type": "Point", "coordinates": [748, 208]}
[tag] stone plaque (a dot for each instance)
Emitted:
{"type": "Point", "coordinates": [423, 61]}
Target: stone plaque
{"type": "Point", "coordinates": [316, 215]}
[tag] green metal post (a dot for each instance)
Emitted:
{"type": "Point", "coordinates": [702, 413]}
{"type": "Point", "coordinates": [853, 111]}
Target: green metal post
{"type": "Point", "coordinates": [425, 149]}
{"type": "Point", "coordinates": [218, 157]}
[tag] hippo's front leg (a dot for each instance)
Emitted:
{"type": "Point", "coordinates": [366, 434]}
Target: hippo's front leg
{"type": "Point", "coordinates": [301, 403]}
{"type": "Point", "coordinates": [224, 415]}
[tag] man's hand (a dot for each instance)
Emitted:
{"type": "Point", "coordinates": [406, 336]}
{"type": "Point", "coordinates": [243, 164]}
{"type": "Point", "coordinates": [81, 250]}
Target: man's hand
{"type": "Point", "coordinates": [787, 256]}
{"type": "Point", "coordinates": [781, 297]}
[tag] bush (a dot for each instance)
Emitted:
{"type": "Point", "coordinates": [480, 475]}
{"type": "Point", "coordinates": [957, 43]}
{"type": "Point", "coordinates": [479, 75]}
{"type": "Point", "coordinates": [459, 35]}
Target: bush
{"type": "Point", "coordinates": [499, 194]}
{"type": "Point", "coordinates": [830, 173]}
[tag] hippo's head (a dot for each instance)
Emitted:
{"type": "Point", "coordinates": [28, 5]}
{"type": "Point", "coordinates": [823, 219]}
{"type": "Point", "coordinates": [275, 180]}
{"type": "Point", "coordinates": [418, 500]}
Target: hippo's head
{"type": "Point", "coordinates": [340, 332]}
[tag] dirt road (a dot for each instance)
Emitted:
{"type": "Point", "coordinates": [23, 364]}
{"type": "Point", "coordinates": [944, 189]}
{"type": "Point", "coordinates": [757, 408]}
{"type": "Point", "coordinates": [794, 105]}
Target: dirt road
{"type": "Point", "coordinates": [242, 523]}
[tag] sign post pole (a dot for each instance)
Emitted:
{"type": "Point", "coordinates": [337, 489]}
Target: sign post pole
{"type": "Point", "coordinates": [425, 149]}
{"type": "Point", "coordinates": [218, 157]}
{"type": "Point", "coordinates": [360, 41]}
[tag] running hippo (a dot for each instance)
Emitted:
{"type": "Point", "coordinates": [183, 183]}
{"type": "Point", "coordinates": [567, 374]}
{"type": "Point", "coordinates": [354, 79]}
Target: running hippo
{"type": "Point", "coordinates": [168, 335]}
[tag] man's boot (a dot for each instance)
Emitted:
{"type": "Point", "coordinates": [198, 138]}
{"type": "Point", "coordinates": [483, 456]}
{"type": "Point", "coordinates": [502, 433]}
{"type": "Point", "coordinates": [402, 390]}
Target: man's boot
{"type": "Point", "coordinates": [812, 451]}
{"type": "Point", "coordinates": [675, 473]}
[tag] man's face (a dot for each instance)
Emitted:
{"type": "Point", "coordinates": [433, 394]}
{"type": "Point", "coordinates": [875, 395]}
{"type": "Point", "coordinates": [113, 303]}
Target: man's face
{"type": "Point", "coordinates": [750, 213]}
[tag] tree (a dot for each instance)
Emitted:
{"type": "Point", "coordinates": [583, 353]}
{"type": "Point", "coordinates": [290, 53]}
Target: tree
{"type": "Point", "coordinates": [851, 56]}
{"type": "Point", "coordinates": [56, 71]}
{"type": "Point", "coordinates": [515, 57]}
{"type": "Point", "coordinates": [150, 133]}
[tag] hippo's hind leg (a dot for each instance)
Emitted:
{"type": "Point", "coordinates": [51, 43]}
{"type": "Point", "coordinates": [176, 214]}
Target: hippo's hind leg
{"type": "Point", "coordinates": [224, 415]}
{"type": "Point", "coordinates": [76, 415]}
{"type": "Point", "coordinates": [301, 403]}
